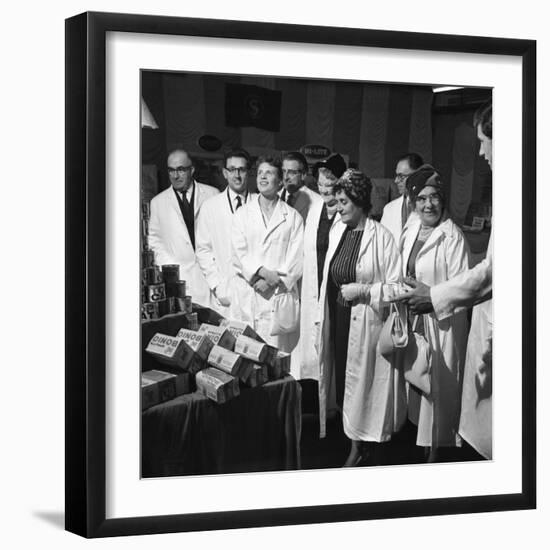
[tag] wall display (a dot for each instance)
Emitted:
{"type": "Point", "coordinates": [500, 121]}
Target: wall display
{"type": "Point", "coordinates": [152, 349]}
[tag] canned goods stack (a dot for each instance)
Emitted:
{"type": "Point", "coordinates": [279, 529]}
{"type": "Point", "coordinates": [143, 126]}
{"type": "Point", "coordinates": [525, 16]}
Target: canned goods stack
{"type": "Point", "coordinates": [162, 290]}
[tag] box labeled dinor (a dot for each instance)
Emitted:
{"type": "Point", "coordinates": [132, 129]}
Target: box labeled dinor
{"type": "Point", "coordinates": [256, 376]}
{"type": "Point", "coordinates": [280, 366]}
{"type": "Point", "coordinates": [158, 386]}
{"type": "Point", "coordinates": [240, 328]}
{"type": "Point", "coordinates": [217, 385]}
{"type": "Point", "coordinates": [220, 336]}
{"type": "Point", "coordinates": [199, 342]}
{"type": "Point", "coordinates": [150, 394]}
{"type": "Point", "coordinates": [225, 360]}
{"type": "Point", "coordinates": [254, 350]}
{"type": "Point", "coordinates": [171, 350]}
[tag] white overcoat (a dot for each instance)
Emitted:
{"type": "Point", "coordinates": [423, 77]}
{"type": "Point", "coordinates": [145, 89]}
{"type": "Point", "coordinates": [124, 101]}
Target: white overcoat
{"type": "Point", "coordinates": [391, 217]}
{"type": "Point", "coordinates": [444, 255]}
{"type": "Point", "coordinates": [304, 200]}
{"type": "Point", "coordinates": [375, 404]}
{"type": "Point", "coordinates": [305, 362]}
{"type": "Point", "coordinates": [169, 239]}
{"type": "Point", "coordinates": [213, 247]}
{"type": "Point", "coordinates": [278, 247]}
{"type": "Point", "coordinates": [469, 288]}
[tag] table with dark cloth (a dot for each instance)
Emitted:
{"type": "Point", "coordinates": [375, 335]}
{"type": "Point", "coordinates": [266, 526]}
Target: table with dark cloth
{"type": "Point", "coordinates": [259, 430]}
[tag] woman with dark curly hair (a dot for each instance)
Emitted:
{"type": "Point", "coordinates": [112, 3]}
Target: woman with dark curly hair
{"type": "Point", "coordinates": [362, 271]}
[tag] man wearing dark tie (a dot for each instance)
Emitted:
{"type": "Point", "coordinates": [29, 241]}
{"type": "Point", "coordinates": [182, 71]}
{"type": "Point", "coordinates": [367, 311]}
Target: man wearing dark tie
{"type": "Point", "coordinates": [295, 193]}
{"type": "Point", "coordinates": [214, 228]}
{"type": "Point", "coordinates": [173, 220]}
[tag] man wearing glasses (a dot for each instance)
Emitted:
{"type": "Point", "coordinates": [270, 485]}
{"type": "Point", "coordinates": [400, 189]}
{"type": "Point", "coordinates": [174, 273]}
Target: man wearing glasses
{"type": "Point", "coordinates": [295, 193]}
{"type": "Point", "coordinates": [172, 223]}
{"type": "Point", "coordinates": [396, 213]}
{"type": "Point", "coordinates": [214, 228]}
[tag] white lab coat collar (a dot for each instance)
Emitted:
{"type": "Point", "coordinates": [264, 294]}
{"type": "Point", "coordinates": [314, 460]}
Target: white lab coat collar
{"type": "Point", "coordinates": [410, 234]}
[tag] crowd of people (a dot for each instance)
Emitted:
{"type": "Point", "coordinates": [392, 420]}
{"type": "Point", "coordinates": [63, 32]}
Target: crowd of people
{"type": "Point", "coordinates": [315, 275]}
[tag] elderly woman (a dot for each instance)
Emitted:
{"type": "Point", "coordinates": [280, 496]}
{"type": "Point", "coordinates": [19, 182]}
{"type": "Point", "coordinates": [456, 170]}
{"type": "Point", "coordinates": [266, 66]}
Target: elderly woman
{"type": "Point", "coordinates": [362, 270]}
{"type": "Point", "coordinates": [267, 254]}
{"type": "Point", "coordinates": [434, 250]}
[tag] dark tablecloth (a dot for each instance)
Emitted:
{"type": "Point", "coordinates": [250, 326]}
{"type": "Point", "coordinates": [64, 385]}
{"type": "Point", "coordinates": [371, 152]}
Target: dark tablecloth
{"type": "Point", "coordinates": [257, 431]}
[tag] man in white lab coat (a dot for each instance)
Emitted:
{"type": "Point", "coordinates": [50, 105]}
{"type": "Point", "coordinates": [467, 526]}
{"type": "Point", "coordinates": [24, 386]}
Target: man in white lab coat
{"type": "Point", "coordinates": [295, 193]}
{"type": "Point", "coordinates": [172, 223]}
{"type": "Point", "coordinates": [471, 288]}
{"type": "Point", "coordinates": [214, 228]}
{"type": "Point", "coordinates": [397, 212]}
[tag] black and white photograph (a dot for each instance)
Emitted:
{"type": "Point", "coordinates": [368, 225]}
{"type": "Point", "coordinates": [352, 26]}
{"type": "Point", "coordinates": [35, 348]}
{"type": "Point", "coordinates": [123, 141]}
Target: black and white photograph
{"type": "Point", "coordinates": [300, 276]}
{"type": "Point", "coordinates": [316, 268]}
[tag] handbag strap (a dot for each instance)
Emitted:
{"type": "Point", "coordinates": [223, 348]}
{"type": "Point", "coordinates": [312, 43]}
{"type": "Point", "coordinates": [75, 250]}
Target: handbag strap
{"type": "Point", "coordinates": [393, 308]}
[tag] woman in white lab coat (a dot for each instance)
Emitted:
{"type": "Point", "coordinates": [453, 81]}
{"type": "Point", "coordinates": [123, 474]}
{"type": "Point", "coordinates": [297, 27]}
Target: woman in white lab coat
{"type": "Point", "coordinates": [320, 223]}
{"type": "Point", "coordinates": [267, 254]}
{"type": "Point", "coordinates": [433, 250]}
{"type": "Point", "coordinates": [362, 271]}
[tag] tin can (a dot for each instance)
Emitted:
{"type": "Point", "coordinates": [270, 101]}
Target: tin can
{"type": "Point", "coordinates": [156, 293]}
{"type": "Point", "coordinates": [150, 311]}
{"type": "Point", "coordinates": [171, 304]}
{"type": "Point", "coordinates": [154, 275]}
{"type": "Point", "coordinates": [180, 288]}
{"type": "Point", "coordinates": [164, 307]}
{"type": "Point", "coordinates": [171, 273]}
{"type": "Point", "coordinates": [147, 258]}
{"type": "Point", "coordinates": [185, 305]}
{"type": "Point", "coordinates": [192, 321]}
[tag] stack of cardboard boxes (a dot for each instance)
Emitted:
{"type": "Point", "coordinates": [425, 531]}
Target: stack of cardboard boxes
{"type": "Point", "coordinates": [217, 360]}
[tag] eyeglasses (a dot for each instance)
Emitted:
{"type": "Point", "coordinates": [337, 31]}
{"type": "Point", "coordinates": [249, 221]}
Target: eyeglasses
{"type": "Point", "coordinates": [180, 170]}
{"type": "Point", "coordinates": [291, 173]}
{"type": "Point", "coordinates": [434, 199]}
{"type": "Point", "coordinates": [401, 177]}
{"type": "Point", "coordinates": [237, 171]}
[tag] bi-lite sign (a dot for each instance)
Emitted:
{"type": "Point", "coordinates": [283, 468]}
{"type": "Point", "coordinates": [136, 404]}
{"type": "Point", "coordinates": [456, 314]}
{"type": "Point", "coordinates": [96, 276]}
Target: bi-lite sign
{"type": "Point", "coordinates": [315, 151]}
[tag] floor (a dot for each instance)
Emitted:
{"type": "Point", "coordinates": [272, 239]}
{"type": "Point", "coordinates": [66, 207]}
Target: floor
{"type": "Point", "coordinates": [331, 451]}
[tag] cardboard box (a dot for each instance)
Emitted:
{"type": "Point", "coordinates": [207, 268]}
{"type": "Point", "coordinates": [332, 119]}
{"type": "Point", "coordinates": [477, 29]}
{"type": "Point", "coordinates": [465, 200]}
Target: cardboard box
{"type": "Point", "coordinates": [175, 352]}
{"type": "Point", "coordinates": [217, 385]}
{"type": "Point", "coordinates": [258, 352]}
{"type": "Point", "coordinates": [239, 328]}
{"type": "Point", "coordinates": [150, 394]}
{"type": "Point", "coordinates": [197, 341]}
{"type": "Point", "coordinates": [159, 386]}
{"type": "Point", "coordinates": [220, 336]}
{"type": "Point", "coordinates": [225, 360]}
{"type": "Point", "coordinates": [257, 376]}
{"type": "Point", "coordinates": [280, 366]}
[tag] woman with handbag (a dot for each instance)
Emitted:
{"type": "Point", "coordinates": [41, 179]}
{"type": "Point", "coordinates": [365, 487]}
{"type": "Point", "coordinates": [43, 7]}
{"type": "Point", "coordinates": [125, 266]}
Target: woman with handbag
{"type": "Point", "coordinates": [267, 254]}
{"type": "Point", "coordinates": [362, 270]}
{"type": "Point", "coordinates": [433, 250]}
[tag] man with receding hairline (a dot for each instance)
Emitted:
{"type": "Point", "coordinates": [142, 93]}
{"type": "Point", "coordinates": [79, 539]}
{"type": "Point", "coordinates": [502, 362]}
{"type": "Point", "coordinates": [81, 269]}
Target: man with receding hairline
{"type": "Point", "coordinates": [172, 223]}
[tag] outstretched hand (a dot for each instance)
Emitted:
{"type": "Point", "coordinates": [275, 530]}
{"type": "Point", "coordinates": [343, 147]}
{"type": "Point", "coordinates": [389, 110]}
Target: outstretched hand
{"type": "Point", "coordinates": [417, 298]}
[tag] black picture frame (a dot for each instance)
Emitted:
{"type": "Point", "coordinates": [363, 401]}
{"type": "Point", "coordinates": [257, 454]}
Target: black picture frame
{"type": "Point", "coordinates": [86, 262]}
